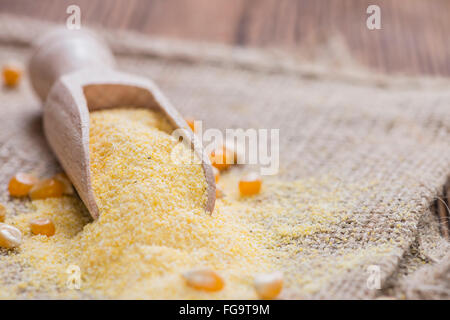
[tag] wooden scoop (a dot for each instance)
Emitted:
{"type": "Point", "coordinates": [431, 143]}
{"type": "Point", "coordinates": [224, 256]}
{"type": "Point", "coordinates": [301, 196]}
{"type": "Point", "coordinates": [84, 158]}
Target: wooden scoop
{"type": "Point", "coordinates": [72, 72]}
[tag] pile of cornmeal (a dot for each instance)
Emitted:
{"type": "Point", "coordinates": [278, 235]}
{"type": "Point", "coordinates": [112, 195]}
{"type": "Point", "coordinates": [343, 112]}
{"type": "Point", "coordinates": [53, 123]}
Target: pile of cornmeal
{"type": "Point", "coordinates": [153, 227]}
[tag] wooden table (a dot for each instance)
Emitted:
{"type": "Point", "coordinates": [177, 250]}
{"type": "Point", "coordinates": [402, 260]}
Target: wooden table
{"type": "Point", "coordinates": [414, 39]}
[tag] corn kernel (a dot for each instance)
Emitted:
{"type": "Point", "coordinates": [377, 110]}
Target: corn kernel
{"type": "Point", "coordinates": [21, 184]}
{"type": "Point", "coordinates": [219, 193]}
{"type": "Point", "coordinates": [67, 185]}
{"type": "Point", "coordinates": [250, 184]}
{"type": "Point", "coordinates": [269, 286]}
{"type": "Point", "coordinates": [10, 237]}
{"type": "Point", "coordinates": [47, 188]}
{"type": "Point", "coordinates": [216, 174]}
{"type": "Point", "coordinates": [42, 226]}
{"type": "Point", "coordinates": [204, 279]}
{"type": "Point", "coordinates": [2, 213]}
{"type": "Point", "coordinates": [190, 123]}
{"type": "Point", "coordinates": [222, 158]}
{"type": "Point", "coordinates": [11, 75]}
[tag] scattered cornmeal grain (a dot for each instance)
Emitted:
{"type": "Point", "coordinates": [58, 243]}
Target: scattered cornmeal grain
{"type": "Point", "coordinates": [153, 227]}
{"type": "Point", "coordinates": [144, 258]}
{"type": "Point", "coordinates": [42, 226]}
{"type": "Point", "coordinates": [250, 184]}
{"type": "Point", "coordinates": [10, 237]}
{"type": "Point", "coordinates": [204, 279]}
{"type": "Point", "coordinates": [47, 188]}
{"type": "Point", "coordinates": [268, 286]}
{"type": "Point", "coordinates": [2, 213]}
{"type": "Point", "coordinates": [11, 75]}
{"type": "Point", "coordinates": [21, 184]}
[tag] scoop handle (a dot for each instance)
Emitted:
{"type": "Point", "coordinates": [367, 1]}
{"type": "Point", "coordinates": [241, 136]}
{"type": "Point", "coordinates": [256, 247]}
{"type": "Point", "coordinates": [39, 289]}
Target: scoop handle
{"type": "Point", "coordinates": [62, 51]}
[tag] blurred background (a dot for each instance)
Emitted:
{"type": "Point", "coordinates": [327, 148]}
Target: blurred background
{"type": "Point", "coordinates": [414, 38]}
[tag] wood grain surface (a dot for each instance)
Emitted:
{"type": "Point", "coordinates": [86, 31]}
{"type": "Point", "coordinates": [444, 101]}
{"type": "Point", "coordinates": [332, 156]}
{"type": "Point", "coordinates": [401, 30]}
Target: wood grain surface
{"type": "Point", "coordinates": [414, 39]}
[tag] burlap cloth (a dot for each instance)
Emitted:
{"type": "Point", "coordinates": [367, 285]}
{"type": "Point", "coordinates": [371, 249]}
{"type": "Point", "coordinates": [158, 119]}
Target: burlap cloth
{"type": "Point", "coordinates": [334, 119]}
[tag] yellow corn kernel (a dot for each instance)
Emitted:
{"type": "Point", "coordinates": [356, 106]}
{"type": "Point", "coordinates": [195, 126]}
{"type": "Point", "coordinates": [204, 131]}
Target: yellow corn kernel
{"type": "Point", "coordinates": [204, 279]}
{"type": "Point", "coordinates": [11, 75]}
{"type": "Point", "coordinates": [190, 123]}
{"type": "Point", "coordinates": [67, 185]}
{"type": "Point", "coordinates": [47, 188]}
{"type": "Point", "coordinates": [250, 184]}
{"type": "Point", "coordinates": [21, 184]}
{"type": "Point", "coordinates": [2, 213]}
{"type": "Point", "coordinates": [219, 193]}
{"type": "Point", "coordinates": [216, 174]}
{"type": "Point", "coordinates": [42, 226]}
{"type": "Point", "coordinates": [269, 286]}
{"type": "Point", "coordinates": [10, 237]}
{"type": "Point", "coordinates": [222, 158]}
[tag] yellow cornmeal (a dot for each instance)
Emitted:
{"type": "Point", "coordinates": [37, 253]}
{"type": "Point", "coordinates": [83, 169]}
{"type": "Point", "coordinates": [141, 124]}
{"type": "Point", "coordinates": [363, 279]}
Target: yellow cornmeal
{"type": "Point", "coordinates": [152, 226]}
